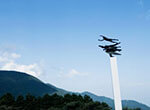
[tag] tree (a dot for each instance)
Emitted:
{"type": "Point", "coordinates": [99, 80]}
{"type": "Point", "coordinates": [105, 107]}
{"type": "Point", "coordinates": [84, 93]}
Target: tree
{"type": "Point", "coordinates": [20, 100]}
{"type": "Point", "coordinates": [7, 99]}
{"type": "Point", "coordinates": [87, 99]}
{"type": "Point", "coordinates": [126, 108]}
{"type": "Point", "coordinates": [76, 105]}
{"type": "Point", "coordinates": [30, 102]}
{"type": "Point", "coordinates": [51, 102]}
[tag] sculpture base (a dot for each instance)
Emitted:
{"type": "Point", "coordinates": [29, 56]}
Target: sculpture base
{"type": "Point", "coordinates": [116, 86]}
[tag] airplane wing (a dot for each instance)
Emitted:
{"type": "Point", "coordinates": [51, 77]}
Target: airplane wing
{"type": "Point", "coordinates": [116, 53]}
{"type": "Point", "coordinates": [101, 46]}
{"type": "Point", "coordinates": [114, 45]}
{"type": "Point", "coordinates": [100, 40]}
{"type": "Point", "coordinates": [115, 39]}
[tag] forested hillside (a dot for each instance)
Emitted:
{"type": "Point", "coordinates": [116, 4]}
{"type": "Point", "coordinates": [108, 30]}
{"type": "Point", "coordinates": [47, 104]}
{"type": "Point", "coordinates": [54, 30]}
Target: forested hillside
{"type": "Point", "coordinates": [50, 102]}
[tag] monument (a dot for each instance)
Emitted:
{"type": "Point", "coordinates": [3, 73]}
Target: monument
{"type": "Point", "coordinates": [113, 50]}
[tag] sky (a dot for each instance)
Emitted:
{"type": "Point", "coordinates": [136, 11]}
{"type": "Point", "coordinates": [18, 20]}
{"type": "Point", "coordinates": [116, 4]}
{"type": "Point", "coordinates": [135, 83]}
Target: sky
{"type": "Point", "coordinates": [57, 42]}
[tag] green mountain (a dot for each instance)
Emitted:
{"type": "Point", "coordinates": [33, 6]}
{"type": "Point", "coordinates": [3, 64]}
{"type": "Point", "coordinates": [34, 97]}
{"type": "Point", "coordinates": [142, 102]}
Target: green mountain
{"type": "Point", "coordinates": [18, 83]}
{"type": "Point", "coordinates": [99, 98]}
{"type": "Point", "coordinates": [58, 90]}
{"type": "Point", "coordinates": [126, 103]}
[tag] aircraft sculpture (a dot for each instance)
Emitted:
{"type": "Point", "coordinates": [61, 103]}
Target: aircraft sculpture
{"type": "Point", "coordinates": [110, 46]}
{"type": "Point", "coordinates": [111, 49]}
{"type": "Point", "coordinates": [108, 39]}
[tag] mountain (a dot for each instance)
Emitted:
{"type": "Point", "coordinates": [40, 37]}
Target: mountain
{"type": "Point", "coordinates": [18, 83]}
{"type": "Point", "coordinates": [126, 103]}
{"type": "Point", "coordinates": [109, 101]}
{"type": "Point", "coordinates": [59, 91]}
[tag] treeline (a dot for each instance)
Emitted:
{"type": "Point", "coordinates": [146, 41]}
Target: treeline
{"type": "Point", "coordinates": [51, 102]}
{"type": "Point", "coordinates": [131, 109]}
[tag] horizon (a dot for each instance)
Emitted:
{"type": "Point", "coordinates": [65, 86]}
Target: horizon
{"type": "Point", "coordinates": [57, 42]}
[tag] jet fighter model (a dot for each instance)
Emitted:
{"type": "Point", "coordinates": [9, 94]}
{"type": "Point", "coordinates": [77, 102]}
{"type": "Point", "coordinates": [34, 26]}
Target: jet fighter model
{"type": "Point", "coordinates": [108, 39]}
{"type": "Point", "coordinates": [112, 52]}
{"type": "Point", "coordinates": [110, 46]}
{"type": "Point", "coordinates": [111, 49]}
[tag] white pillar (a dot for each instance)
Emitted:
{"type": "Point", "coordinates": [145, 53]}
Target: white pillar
{"type": "Point", "coordinates": [116, 86]}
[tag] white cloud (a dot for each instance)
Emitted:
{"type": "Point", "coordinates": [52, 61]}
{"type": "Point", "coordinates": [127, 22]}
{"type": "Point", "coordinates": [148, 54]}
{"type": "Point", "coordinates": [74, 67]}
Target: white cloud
{"type": "Point", "coordinates": [14, 55]}
{"type": "Point", "coordinates": [8, 62]}
{"type": "Point", "coordinates": [73, 73]}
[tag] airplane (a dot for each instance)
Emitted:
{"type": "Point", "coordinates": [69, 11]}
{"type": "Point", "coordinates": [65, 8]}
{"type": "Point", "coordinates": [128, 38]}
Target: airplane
{"type": "Point", "coordinates": [108, 39]}
{"type": "Point", "coordinates": [112, 52]}
{"type": "Point", "coordinates": [111, 49]}
{"type": "Point", "coordinates": [114, 46]}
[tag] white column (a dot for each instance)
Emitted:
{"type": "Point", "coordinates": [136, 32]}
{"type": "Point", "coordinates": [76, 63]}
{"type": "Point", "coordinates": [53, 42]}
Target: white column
{"type": "Point", "coordinates": [116, 86]}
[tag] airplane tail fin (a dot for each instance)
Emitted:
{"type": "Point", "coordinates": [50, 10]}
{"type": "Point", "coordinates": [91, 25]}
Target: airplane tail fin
{"type": "Point", "coordinates": [110, 55]}
{"type": "Point", "coordinates": [100, 40]}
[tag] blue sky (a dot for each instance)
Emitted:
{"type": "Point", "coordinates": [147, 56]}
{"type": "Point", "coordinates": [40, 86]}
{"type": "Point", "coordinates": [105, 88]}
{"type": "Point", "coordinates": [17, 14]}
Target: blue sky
{"type": "Point", "coordinates": [56, 41]}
